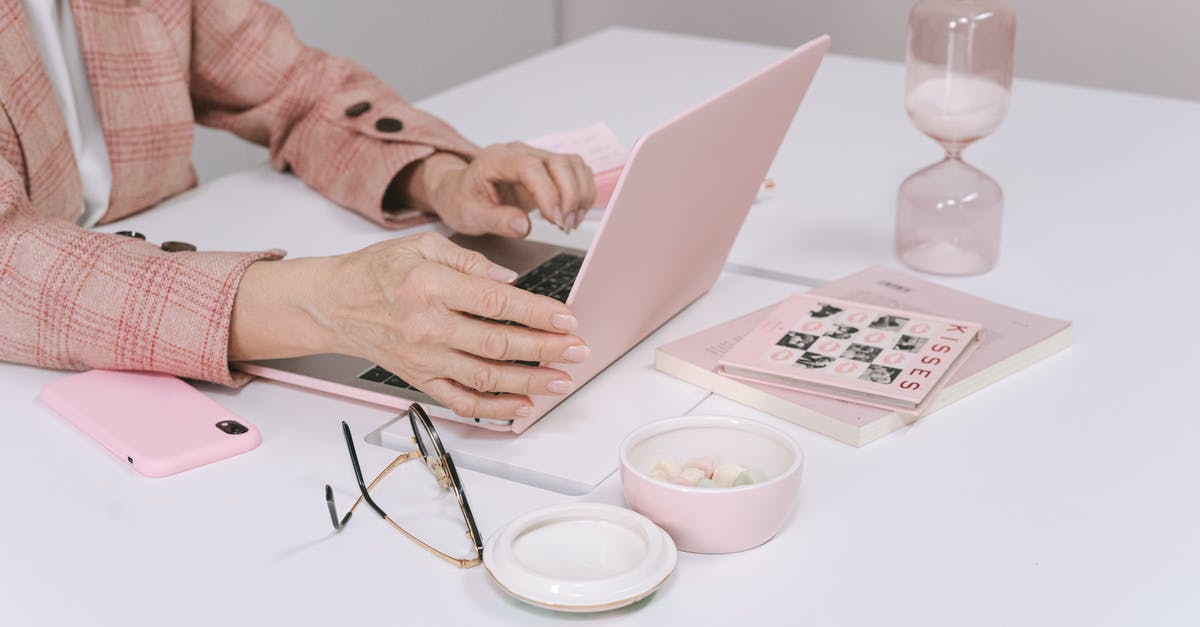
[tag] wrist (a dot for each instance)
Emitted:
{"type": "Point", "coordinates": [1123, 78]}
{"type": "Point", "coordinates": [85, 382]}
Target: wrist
{"type": "Point", "coordinates": [418, 185]}
{"type": "Point", "coordinates": [273, 311]}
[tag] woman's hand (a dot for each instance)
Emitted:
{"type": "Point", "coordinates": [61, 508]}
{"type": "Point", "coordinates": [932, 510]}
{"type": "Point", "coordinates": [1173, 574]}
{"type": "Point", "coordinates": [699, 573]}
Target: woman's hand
{"type": "Point", "coordinates": [412, 305]}
{"type": "Point", "coordinates": [495, 192]}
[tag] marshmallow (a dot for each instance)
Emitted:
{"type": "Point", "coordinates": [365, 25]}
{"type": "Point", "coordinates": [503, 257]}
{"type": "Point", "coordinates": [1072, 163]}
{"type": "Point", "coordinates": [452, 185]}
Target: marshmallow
{"type": "Point", "coordinates": [726, 474]}
{"type": "Point", "coordinates": [667, 466]}
{"type": "Point", "coordinates": [692, 475]}
{"type": "Point", "coordinates": [703, 463]}
{"type": "Point", "coordinates": [699, 472]}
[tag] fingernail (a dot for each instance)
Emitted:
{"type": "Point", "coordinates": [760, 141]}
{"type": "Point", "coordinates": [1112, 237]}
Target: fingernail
{"type": "Point", "coordinates": [558, 216]}
{"type": "Point", "coordinates": [576, 354]}
{"type": "Point", "coordinates": [564, 322]}
{"type": "Point", "coordinates": [576, 219]}
{"type": "Point", "coordinates": [501, 274]}
{"type": "Point", "coordinates": [520, 225]}
{"type": "Point", "coordinates": [560, 386]}
{"type": "Point", "coordinates": [523, 411]}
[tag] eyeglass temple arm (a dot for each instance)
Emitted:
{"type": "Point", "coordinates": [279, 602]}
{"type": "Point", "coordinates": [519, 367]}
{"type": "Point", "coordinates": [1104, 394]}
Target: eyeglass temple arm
{"type": "Point", "coordinates": [365, 491]}
{"type": "Point", "coordinates": [333, 517]}
{"type": "Point", "coordinates": [362, 484]}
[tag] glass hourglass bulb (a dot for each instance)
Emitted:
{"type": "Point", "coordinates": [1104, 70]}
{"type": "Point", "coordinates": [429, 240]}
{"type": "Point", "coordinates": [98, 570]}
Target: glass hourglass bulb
{"type": "Point", "coordinates": [959, 75]}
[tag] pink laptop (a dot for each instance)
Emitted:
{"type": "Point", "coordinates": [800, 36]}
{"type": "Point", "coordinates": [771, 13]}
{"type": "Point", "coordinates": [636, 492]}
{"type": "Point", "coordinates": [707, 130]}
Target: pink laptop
{"type": "Point", "coordinates": [672, 220]}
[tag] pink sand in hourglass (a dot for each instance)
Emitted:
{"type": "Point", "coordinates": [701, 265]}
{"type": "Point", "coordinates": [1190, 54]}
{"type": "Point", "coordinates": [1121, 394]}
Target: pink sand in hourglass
{"type": "Point", "coordinates": [957, 109]}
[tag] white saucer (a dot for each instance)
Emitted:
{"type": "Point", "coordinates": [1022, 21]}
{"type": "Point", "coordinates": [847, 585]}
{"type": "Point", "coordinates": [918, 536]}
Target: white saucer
{"type": "Point", "coordinates": [580, 557]}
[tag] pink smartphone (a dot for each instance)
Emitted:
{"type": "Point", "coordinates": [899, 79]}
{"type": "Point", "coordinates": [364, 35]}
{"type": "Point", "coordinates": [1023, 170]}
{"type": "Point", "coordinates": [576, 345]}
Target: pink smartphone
{"type": "Point", "coordinates": [154, 422]}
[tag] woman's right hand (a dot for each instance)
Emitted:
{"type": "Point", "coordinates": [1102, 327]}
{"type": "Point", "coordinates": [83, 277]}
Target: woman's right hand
{"type": "Point", "coordinates": [412, 305]}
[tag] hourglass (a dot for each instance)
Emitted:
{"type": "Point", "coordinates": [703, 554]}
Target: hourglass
{"type": "Point", "coordinates": [960, 58]}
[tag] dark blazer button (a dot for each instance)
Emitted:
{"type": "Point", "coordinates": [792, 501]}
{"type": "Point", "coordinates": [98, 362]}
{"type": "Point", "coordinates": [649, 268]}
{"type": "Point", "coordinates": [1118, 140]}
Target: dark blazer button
{"type": "Point", "coordinates": [388, 125]}
{"type": "Point", "coordinates": [133, 234]}
{"type": "Point", "coordinates": [175, 247]}
{"type": "Point", "coordinates": [358, 109]}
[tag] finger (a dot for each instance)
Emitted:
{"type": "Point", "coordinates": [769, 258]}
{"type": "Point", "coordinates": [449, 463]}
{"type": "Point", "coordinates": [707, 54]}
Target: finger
{"type": "Point", "coordinates": [486, 375]}
{"type": "Point", "coordinates": [536, 178]}
{"type": "Point", "coordinates": [587, 187]}
{"type": "Point", "coordinates": [587, 182]}
{"type": "Point", "coordinates": [469, 403]}
{"type": "Point", "coordinates": [563, 174]}
{"type": "Point", "coordinates": [494, 301]}
{"type": "Point", "coordinates": [503, 220]}
{"type": "Point", "coordinates": [502, 342]}
{"type": "Point", "coordinates": [524, 165]}
{"type": "Point", "coordinates": [437, 248]}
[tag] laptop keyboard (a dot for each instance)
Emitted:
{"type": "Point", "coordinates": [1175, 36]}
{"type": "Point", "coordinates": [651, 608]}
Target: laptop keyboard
{"type": "Point", "coordinates": [553, 277]}
{"type": "Point", "coordinates": [382, 375]}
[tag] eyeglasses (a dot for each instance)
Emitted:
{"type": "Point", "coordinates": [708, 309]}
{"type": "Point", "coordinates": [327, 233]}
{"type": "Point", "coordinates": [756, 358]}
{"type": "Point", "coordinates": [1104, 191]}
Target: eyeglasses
{"type": "Point", "coordinates": [437, 460]}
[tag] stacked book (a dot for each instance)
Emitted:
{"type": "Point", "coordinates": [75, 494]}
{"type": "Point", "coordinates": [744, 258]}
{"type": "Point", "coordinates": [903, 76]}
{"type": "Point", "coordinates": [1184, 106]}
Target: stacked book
{"type": "Point", "coordinates": [863, 356]}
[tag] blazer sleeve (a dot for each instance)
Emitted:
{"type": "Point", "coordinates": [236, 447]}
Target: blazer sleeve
{"type": "Point", "coordinates": [76, 299]}
{"type": "Point", "coordinates": [332, 123]}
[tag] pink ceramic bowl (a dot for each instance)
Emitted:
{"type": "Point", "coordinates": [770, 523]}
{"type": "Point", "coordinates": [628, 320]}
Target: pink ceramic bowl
{"type": "Point", "coordinates": [713, 520]}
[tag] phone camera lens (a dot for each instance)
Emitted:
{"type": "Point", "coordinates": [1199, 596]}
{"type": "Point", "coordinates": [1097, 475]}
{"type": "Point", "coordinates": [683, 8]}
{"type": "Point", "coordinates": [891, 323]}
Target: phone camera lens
{"type": "Point", "coordinates": [232, 427]}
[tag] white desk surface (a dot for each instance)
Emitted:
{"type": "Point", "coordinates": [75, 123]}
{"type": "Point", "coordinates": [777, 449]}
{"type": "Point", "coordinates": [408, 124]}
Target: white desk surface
{"type": "Point", "coordinates": [1064, 495]}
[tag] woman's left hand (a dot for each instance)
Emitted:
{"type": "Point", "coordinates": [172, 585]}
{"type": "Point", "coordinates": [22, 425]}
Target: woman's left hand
{"type": "Point", "coordinates": [494, 192]}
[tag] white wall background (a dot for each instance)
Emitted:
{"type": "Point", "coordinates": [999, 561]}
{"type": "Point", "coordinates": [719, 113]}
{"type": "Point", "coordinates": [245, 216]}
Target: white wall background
{"type": "Point", "coordinates": [418, 47]}
{"type": "Point", "coordinates": [1150, 46]}
{"type": "Point", "coordinates": [422, 46]}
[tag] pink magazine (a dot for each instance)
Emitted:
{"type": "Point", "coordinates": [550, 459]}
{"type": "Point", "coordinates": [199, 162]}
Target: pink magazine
{"type": "Point", "coordinates": [883, 357]}
{"type": "Point", "coordinates": [1011, 340]}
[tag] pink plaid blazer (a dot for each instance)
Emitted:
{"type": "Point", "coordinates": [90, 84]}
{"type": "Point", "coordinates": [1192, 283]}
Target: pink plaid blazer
{"type": "Point", "coordinates": [72, 298]}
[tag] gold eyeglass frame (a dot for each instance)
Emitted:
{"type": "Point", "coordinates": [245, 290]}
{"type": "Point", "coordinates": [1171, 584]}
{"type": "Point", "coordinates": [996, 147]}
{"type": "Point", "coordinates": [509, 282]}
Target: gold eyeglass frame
{"type": "Point", "coordinates": [439, 463]}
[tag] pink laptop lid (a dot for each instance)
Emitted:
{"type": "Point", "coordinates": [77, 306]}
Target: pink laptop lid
{"type": "Point", "coordinates": [677, 209]}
